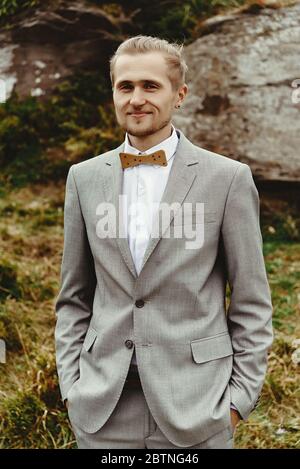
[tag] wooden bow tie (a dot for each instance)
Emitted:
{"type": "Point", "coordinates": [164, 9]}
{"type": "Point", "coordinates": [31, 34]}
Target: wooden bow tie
{"type": "Point", "coordinates": [158, 157]}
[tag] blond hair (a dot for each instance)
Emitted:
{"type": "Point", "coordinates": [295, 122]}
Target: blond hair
{"type": "Point", "coordinates": [172, 52]}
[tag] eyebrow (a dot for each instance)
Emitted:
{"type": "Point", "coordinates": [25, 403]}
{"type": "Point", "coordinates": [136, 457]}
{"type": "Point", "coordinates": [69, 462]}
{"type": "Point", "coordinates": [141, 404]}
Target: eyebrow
{"type": "Point", "coordinates": [128, 82]}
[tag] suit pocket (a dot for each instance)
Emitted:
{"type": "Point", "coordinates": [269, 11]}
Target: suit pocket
{"type": "Point", "coordinates": [211, 348]}
{"type": "Point", "coordinates": [89, 339]}
{"type": "Point", "coordinates": [71, 389]}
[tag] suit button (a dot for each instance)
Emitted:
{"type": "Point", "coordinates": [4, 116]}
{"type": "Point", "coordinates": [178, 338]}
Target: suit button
{"type": "Point", "coordinates": [129, 343]}
{"type": "Point", "coordinates": [139, 303]}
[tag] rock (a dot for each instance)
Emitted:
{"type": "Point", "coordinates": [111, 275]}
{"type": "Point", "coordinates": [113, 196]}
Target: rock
{"type": "Point", "coordinates": [40, 50]}
{"type": "Point", "coordinates": [241, 102]}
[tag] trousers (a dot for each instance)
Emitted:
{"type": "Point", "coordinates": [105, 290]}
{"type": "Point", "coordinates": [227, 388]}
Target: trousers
{"type": "Point", "coordinates": [132, 426]}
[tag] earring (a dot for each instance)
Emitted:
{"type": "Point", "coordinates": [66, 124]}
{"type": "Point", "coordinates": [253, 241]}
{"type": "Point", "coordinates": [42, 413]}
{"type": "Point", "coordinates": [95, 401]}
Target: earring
{"type": "Point", "coordinates": [178, 106]}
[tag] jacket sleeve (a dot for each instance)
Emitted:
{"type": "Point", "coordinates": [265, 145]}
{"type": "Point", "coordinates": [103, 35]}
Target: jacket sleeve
{"type": "Point", "coordinates": [249, 314]}
{"type": "Point", "coordinates": [75, 300]}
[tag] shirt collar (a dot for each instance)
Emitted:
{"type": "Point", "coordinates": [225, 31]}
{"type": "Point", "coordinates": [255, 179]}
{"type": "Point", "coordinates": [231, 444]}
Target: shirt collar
{"type": "Point", "coordinates": [168, 145]}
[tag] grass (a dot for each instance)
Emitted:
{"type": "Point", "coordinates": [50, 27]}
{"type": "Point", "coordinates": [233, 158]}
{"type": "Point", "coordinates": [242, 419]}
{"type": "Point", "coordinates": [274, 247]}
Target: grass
{"type": "Point", "coordinates": [32, 415]}
{"type": "Point", "coordinates": [275, 422]}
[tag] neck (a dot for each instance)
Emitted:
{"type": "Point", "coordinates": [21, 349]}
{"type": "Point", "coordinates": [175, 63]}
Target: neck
{"type": "Point", "coordinates": [149, 141]}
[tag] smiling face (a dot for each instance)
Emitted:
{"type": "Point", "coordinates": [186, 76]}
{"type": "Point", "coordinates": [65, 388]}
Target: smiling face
{"type": "Point", "coordinates": [143, 95]}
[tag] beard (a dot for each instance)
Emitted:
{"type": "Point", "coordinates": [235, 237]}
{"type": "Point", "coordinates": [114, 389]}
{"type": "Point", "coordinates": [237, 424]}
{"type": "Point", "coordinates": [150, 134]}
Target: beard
{"type": "Point", "coordinates": [135, 131]}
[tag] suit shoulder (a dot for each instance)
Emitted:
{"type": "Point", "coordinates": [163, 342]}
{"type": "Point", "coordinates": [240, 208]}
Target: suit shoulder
{"type": "Point", "coordinates": [93, 163]}
{"type": "Point", "coordinates": [221, 168]}
{"type": "Point", "coordinates": [218, 159]}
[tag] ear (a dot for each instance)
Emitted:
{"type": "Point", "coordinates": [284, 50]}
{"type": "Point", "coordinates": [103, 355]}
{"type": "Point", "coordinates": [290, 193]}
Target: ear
{"type": "Point", "coordinates": [183, 91]}
{"type": "Point", "coordinates": [181, 94]}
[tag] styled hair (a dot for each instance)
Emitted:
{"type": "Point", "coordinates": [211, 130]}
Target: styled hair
{"type": "Point", "coordinates": [172, 52]}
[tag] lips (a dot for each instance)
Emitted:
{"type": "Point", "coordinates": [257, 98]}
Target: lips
{"type": "Point", "coordinates": [139, 114]}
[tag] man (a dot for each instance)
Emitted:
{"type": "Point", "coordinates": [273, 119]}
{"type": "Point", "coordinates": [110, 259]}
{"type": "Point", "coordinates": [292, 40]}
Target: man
{"type": "Point", "coordinates": [147, 355]}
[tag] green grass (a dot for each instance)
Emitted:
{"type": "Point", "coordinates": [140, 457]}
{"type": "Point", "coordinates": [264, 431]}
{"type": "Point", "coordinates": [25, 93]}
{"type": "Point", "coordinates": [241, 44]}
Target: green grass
{"type": "Point", "coordinates": [32, 414]}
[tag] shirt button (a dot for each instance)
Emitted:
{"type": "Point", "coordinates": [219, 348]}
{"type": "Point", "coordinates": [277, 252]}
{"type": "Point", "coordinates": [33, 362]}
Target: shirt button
{"type": "Point", "coordinates": [129, 343]}
{"type": "Point", "coordinates": [139, 303]}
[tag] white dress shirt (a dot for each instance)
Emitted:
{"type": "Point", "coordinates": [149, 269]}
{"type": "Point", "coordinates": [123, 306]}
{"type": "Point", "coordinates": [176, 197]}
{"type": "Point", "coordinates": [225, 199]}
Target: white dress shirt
{"type": "Point", "coordinates": [143, 186]}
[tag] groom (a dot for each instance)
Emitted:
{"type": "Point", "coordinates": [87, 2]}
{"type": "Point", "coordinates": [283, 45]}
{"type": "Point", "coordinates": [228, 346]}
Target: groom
{"type": "Point", "coordinates": [147, 354]}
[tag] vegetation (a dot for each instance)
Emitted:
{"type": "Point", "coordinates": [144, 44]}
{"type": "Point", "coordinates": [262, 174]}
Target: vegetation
{"type": "Point", "coordinates": [177, 20]}
{"type": "Point", "coordinates": [9, 8]}
{"type": "Point", "coordinates": [32, 414]}
{"type": "Point", "coordinates": [40, 139]}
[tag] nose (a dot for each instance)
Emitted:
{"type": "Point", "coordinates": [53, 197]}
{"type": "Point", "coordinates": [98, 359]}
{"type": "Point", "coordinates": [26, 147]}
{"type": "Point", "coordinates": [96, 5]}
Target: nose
{"type": "Point", "coordinates": [137, 97]}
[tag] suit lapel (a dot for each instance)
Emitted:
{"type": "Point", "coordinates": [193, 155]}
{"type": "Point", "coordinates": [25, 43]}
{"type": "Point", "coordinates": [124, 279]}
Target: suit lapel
{"type": "Point", "coordinates": [113, 180]}
{"type": "Point", "coordinates": [180, 179]}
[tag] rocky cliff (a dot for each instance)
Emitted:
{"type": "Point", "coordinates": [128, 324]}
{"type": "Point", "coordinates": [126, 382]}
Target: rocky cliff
{"type": "Point", "coordinates": [241, 102]}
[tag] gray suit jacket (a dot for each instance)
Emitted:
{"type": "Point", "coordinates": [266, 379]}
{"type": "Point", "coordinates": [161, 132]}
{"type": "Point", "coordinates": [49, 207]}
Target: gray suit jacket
{"type": "Point", "coordinates": [193, 356]}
